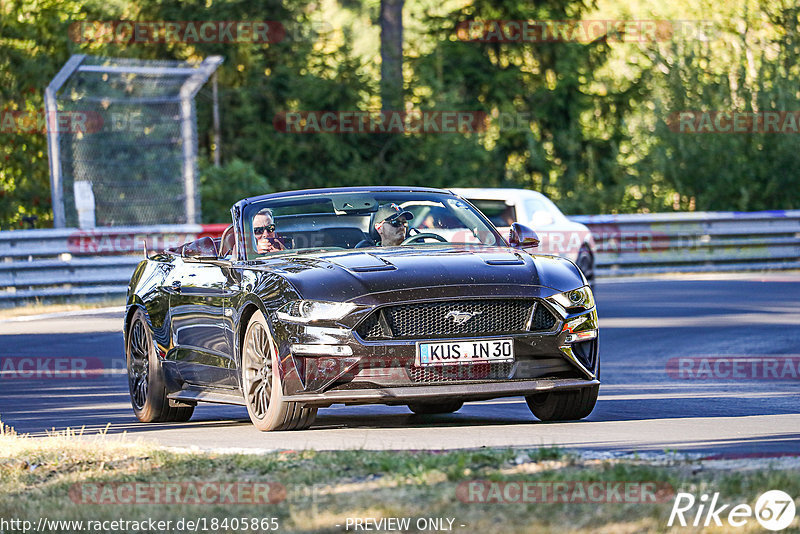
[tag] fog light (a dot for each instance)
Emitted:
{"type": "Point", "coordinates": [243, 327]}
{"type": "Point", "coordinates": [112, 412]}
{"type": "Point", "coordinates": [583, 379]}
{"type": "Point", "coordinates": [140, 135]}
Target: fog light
{"type": "Point", "coordinates": [580, 336]}
{"type": "Point", "coordinates": [323, 350]}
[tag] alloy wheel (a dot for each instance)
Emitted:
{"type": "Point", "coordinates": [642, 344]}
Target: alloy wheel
{"type": "Point", "coordinates": [139, 364]}
{"type": "Point", "coordinates": [258, 370]}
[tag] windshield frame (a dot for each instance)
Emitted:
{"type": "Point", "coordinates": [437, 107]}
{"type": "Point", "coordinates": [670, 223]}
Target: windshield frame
{"type": "Point", "coordinates": [244, 210]}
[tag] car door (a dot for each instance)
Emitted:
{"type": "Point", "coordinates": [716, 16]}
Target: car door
{"type": "Point", "coordinates": [201, 324]}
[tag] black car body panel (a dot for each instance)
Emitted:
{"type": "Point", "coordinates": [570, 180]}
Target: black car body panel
{"type": "Point", "coordinates": [199, 308]}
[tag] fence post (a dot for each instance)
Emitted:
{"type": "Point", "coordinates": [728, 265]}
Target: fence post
{"type": "Point", "coordinates": [53, 147]}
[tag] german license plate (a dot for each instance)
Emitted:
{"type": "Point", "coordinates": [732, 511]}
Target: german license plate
{"type": "Point", "coordinates": [469, 351]}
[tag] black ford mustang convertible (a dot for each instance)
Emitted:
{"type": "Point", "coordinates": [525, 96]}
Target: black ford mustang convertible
{"type": "Point", "coordinates": [401, 296]}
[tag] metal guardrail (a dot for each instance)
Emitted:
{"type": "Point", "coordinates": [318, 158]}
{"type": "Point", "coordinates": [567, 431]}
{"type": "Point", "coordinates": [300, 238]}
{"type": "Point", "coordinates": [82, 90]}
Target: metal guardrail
{"type": "Point", "coordinates": [37, 244]}
{"type": "Point", "coordinates": [695, 242]}
{"type": "Point", "coordinates": [77, 263]}
{"type": "Point", "coordinates": [39, 264]}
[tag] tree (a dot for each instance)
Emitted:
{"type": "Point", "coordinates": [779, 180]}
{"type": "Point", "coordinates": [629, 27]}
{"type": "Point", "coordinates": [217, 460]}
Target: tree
{"type": "Point", "coordinates": [557, 125]}
{"type": "Point", "coordinates": [748, 67]}
{"type": "Point", "coordinates": [391, 21]}
{"type": "Point", "coordinates": [34, 45]}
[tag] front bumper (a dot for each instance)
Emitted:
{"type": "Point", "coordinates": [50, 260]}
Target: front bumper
{"type": "Point", "coordinates": [349, 370]}
{"type": "Point", "coordinates": [401, 395]}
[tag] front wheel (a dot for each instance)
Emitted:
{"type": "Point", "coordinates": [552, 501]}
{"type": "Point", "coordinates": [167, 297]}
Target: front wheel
{"type": "Point", "coordinates": [568, 405]}
{"type": "Point", "coordinates": [262, 385]}
{"type": "Point", "coordinates": [146, 377]}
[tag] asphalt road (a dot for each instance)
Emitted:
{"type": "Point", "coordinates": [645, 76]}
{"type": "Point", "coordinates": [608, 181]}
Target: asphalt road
{"type": "Point", "coordinates": [645, 326]}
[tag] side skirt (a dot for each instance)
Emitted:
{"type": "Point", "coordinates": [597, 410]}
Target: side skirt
{"type": "Point", "coordinates": [195, 395]}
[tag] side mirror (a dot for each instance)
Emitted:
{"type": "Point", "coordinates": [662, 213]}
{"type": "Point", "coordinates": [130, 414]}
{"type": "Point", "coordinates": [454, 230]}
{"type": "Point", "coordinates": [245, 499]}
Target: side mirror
{"type": "Point", "coordinates": [521, 236]}
{"type": "Point", "coordinates": [201, 249]}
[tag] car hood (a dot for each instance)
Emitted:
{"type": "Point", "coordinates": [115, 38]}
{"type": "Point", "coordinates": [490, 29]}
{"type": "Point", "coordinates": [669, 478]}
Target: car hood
{"type": "Point", "coordinates": [354, 274]}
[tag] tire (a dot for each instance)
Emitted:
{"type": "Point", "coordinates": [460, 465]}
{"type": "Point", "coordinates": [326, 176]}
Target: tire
{"type": "Point", "coordinates": [585, 263]}
{"type": "Point", "coordinates": [563, 405]}
{"type": "Point", "coordinates": [426, 408]}
{"type": "Point", "coordinates": [262, 386]}
{"type": "Point", "coordinates": [146, 377]}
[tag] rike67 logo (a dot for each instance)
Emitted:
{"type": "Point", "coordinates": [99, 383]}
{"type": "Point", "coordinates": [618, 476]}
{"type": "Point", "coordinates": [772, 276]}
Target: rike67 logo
{"type": "Point", "coordinates": [774, 510]}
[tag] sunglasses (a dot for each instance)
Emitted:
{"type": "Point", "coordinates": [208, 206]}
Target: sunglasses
{"type": "Point", "coordinates": [259, 230]}
{"type": "Point", "coordinates": [397, 223]}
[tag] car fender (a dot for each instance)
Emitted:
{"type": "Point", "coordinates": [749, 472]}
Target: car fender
{"type": "Point", "coordinates": [145, 292]}
{"type": "Point", "coordinates": [558, 273]}
{"type": "Point", "coordinates": [267, 291]}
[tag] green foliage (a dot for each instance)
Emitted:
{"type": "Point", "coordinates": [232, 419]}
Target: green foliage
{"type": "Point", "coordinates": [587, 122]}
{"type": "Point", "coordinates": [567, 122]}
{"type": "Point", "coordinates": [730, 171]}
{"type": "Point", "coordinates": [33, 46]}
{"type": "Point", "coordinates": [222, 186]}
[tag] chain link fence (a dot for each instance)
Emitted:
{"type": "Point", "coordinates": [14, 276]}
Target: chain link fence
{"type": "Point", "coordinates": [122, 140]}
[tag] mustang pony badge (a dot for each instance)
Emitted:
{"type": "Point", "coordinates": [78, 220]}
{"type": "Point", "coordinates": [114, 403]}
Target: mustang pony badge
{"type": "Point", "coordinates": [460, 317]}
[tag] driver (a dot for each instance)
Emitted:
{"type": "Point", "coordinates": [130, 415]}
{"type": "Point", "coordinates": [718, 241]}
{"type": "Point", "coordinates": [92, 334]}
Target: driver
{"type": "Point", "coordinates": [264, 231]}
{"type": "Point", "coordinates": [391, 224]}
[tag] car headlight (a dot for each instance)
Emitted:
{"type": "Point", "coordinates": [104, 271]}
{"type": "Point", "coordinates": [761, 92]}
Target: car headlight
{"type": "Point", "coordinates": [307, 311]}
{"type": "Point", "coordinates": [581, 298]}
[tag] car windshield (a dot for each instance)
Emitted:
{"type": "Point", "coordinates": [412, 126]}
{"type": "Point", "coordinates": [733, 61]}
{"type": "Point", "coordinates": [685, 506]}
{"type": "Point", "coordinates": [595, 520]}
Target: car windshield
{"type": "Point", "coordinates": [347, 220]}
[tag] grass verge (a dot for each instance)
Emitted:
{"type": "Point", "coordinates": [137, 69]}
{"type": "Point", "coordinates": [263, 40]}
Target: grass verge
{"type": "Point", "coordinates": [68, 476]}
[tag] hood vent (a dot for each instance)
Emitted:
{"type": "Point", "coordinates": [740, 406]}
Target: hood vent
{"type": "Point", "coordinates": [362, 263]}
{"type": "Point", "coordinates": [503, 259]}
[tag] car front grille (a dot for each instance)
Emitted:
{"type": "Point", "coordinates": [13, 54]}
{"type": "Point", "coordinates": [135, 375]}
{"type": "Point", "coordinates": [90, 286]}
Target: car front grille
{"type": "Point", "coordinates": [543, 320]}
{"type": "Point", "coordinates": [457, 373]}
{"type": "Point", "coordinates": [428, 320]}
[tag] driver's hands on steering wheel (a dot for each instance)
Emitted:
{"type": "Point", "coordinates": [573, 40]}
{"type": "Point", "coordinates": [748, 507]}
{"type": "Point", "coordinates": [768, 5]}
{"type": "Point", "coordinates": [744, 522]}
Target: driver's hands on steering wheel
{"type": "Point", "coordinates": [423, 235]}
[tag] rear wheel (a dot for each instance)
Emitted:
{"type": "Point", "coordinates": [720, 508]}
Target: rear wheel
{"type": "Point", "coordinates": [428, 408]}
{"type": "Point", "coordinates": [146, 377]}
{"type": "Point", "coordinates": [563, 405]}
{"type": "Point", "coordinates": [262, 385]}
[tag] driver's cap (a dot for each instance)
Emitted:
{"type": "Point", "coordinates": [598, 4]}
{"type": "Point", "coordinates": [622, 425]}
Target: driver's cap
{"type": "Point", "coordinates": [390, 212]}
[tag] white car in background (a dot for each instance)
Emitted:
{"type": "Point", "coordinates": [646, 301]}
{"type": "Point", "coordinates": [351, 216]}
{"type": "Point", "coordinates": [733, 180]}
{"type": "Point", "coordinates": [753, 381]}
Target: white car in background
{"type": "Point", "coordinates": [558, 235]}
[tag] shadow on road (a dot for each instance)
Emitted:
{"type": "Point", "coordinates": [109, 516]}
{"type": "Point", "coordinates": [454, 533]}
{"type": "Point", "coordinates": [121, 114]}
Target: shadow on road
{"type": "Point", "coordinates": [94, 403]}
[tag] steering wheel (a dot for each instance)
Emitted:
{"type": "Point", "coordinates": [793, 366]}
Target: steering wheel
{"type": "Point", "coordinates": [422, 235]}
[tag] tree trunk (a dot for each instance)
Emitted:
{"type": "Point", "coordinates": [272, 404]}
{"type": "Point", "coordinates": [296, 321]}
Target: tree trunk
{"type": "Point", "coordinates": [392, 54]}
